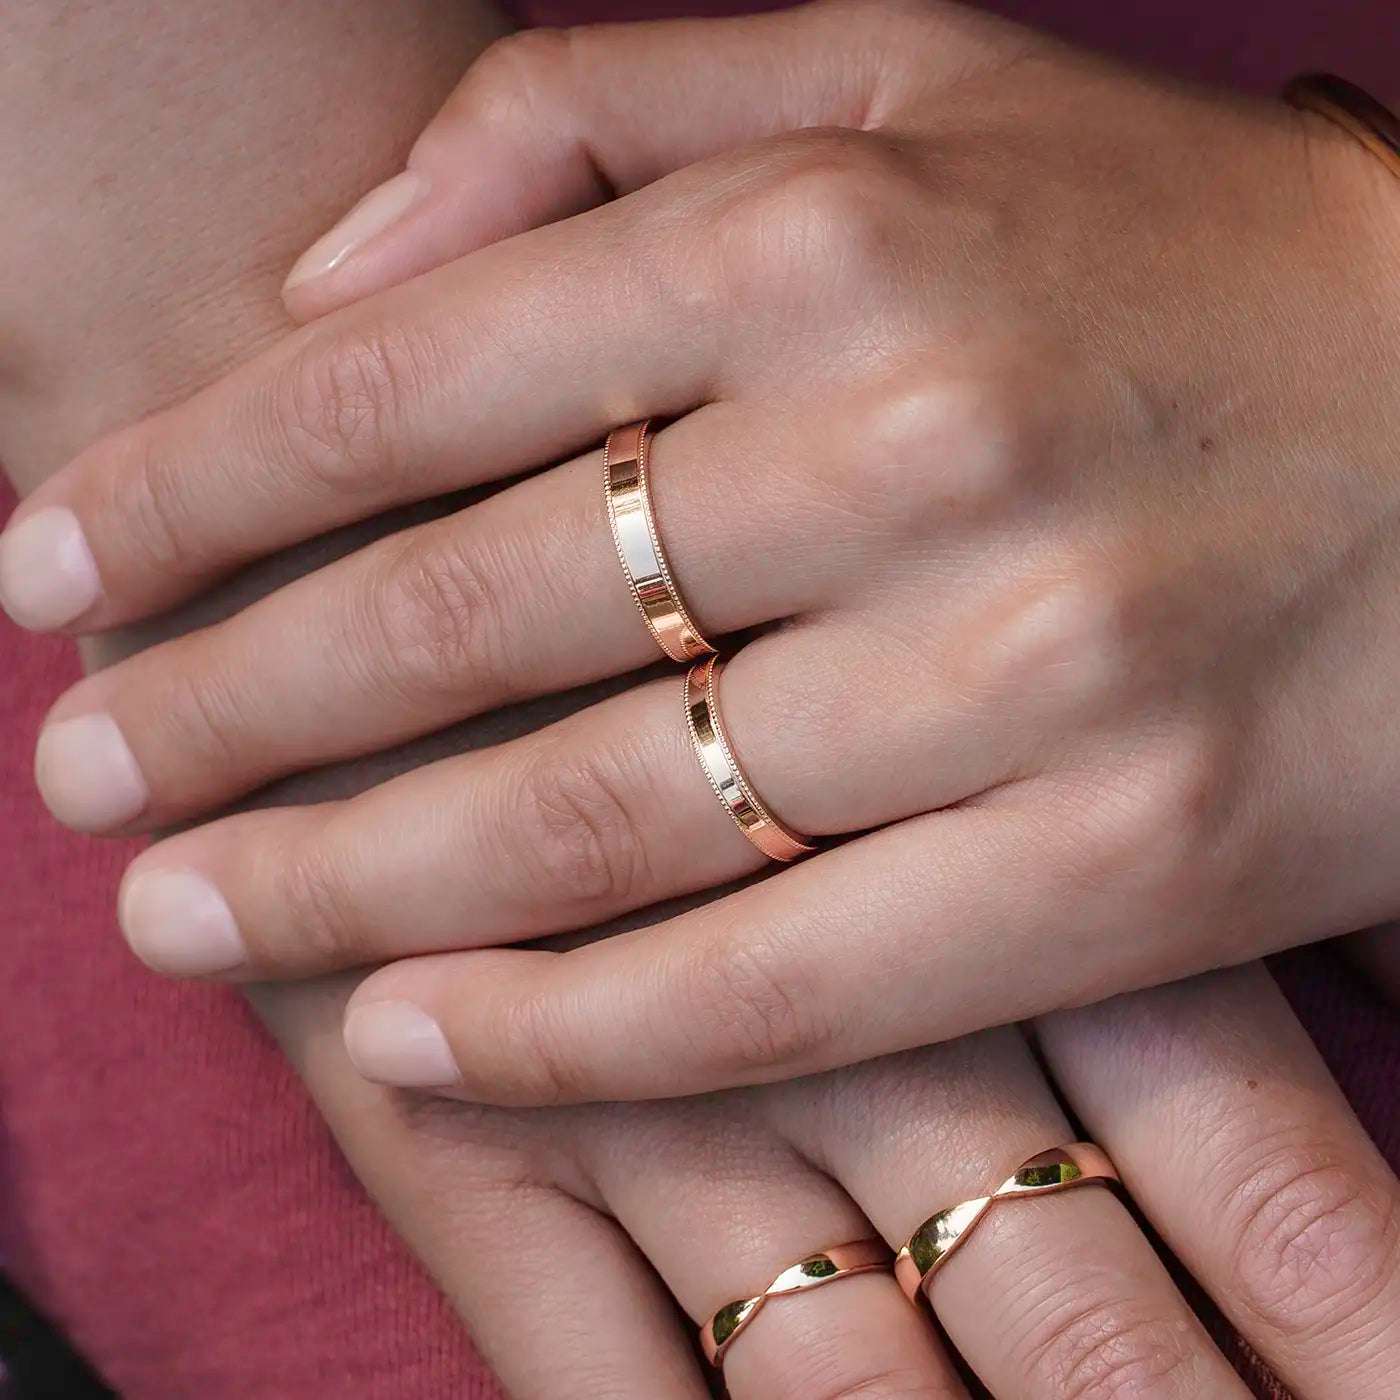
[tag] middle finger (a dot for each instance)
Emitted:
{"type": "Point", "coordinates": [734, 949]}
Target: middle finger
{"type": "Point", "coordinates": [515, 596]}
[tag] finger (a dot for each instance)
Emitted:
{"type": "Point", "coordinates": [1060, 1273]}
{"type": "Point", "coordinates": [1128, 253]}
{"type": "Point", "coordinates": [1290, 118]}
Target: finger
{"type": "Point", "coordinates": [602, 813]}
{"type": "Point", "coordinates": [561, 829]}
{"type": "Point", "coordinates": [495, 1208]}
{"type": "Point", "coordinates": [516, 596]}
{"type": "Point", "coordinates": [427, 388]}
{"type": "Point", "coordinates": [522, 595]}
{"type": "Point", "coordinates": [922, 931]}
{"type": "Point", "coordinates": [548, 122]}
{"type": "Point", "coordinates": [1236, 1141]}
{"type": "Point", "coordinates": [1047, 1297]}
{"type": "Point", "coordinates": [720, 1211]}
{"type": "Point", "coordinates": [435, 384]}
{"type": "Point", "coordinates": [532, 1268]}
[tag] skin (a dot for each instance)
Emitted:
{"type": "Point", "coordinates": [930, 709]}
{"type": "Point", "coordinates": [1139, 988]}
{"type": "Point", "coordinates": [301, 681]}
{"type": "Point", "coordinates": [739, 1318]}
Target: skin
{"type": "Point", "coordinates": [1088, 543]}
{"type": "Point", "coordinates": [1257, 1173]}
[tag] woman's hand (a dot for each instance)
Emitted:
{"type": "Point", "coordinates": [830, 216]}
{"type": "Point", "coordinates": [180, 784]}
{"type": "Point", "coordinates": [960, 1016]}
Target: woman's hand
{"type": "Point", "coordinates": [1032, 410]}
{"type": "Point", "coordinates": [1226, 1128]}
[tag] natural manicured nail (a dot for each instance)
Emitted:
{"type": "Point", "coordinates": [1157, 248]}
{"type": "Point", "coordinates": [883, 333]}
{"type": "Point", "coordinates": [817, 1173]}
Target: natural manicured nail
{"type": "Point", "coordinates": [48, 576]}
{"type": "Point", "coordinates": [177, 923]}
{"type": "Point", "coordinates": [395, 1042]}
{"type": "Point", "coordinates": [371, 216]}
{"type": "Point", "coordinates": [87, 775]}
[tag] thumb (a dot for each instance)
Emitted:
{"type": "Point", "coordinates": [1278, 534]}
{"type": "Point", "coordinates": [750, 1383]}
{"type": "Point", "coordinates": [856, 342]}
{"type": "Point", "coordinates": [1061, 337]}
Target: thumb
{"type": "Point", "coordinates": [548, 123]}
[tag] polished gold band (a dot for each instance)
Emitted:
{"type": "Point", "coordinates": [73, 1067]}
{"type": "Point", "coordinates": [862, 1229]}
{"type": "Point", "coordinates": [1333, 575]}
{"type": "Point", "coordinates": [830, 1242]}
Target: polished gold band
{"type": "Point", "coordinates": [934, 1242]}
{"type": "Point", "coordinates": [712, 748]}
{"type": "Point", "coordinates": [628, 493]}
{"type": "Point", "coordinates": [1351, 108]}
{"type": "Point", "coordinates": [841, 1261]}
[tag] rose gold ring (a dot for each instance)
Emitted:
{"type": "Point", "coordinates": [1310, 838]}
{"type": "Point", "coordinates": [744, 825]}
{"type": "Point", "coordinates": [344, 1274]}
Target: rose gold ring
{"type": "Point", "coordinates": [861, 1257]}
{"type": "Point", "coordinates": [716, 757]}
{"type": "Point", "coordinates": [628, 493]}
{"type": "Point", "coordinates": [936, 1240]}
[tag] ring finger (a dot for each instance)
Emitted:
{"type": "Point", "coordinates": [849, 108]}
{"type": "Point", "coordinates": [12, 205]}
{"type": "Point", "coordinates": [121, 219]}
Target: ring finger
{"type": "Point", "coordinates": [606, 811]}
{"type": "Point", "coordinates": [522, 595]}
{"type": "Point", "coordinates": [1048, 1297]}
{"type": "Point", "coordinates": [722, 1209]}
{"type": "Point", "coordinates": [1240, 1146]}
{"type": "Point", "coordinates": [517, 595]}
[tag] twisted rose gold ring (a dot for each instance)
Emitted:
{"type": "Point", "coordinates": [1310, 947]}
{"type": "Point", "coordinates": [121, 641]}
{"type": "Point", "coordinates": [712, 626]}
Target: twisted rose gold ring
{"type": "Point", "coordinates": [841, 1261]}
{"type": "Point", "coordinates": [628, 493]}
{"type": "Point", "coordinates": [712, 748]}
{"type": "Point", "coordinates": [934, 1242]}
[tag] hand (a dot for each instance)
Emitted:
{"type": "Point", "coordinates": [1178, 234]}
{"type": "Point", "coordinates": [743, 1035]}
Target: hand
{"type": "Point", "coordinates": [1227, 1130]}
{"type": "Point", "coordinates": [1029, 402]}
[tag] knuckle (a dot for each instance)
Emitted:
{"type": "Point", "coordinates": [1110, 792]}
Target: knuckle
{"type": "Point", "coordinates": [1313, 1243]}
{"type": "Point", "coordinates": [147, 494]}
{"type": "Point", "coordinates": [541, 1066]}
{"type": "Point", "coordinates": [938, 452]}
{"type": "Point", "coordinates": [1153, 829]}
{"type": "Point", "coordinates": [822, 211]}
{"type": "Point", "coordinates": [1107, 1349]}
{"type": "Point", "coordinates": [438, 620]}
{"type": "Point", "coordinates": [319, 919]}
{"type": "Point", "coordinates": [756, 1011]}
{"type": "Point", "coordinates": [582, 839]}
{"type": "Point", "coordinates": [338, 402]}
{"type": "Point", "coordinates": [507, 80]}
{"type": "Point", "coordinates": [1058, 644]}
{"type": "Point", "coordinates": [494, 1155]}
{"type": "Point", "coordinates": [974, 438]}
{"type": "Point", "coordinates": [200, 715]}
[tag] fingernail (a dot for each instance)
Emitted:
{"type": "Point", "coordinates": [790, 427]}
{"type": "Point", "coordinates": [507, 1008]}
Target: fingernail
{"type": "Point", "coordinates": [177, 923]}
{"type": "Point", "coordinates": [395, 1042]}
{"type": "Point", "coordinates": [47, 573]}
{"type": "Point", "coordinates": [371, 216]}
{"type": "Point", "coordinates": [87, 775]}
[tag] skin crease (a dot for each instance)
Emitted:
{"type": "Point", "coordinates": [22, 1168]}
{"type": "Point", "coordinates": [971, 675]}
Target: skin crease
{"type": "Point", "coordinates": [418, 1161]}
{"type": "Point", "coordinates": [1142, 689]}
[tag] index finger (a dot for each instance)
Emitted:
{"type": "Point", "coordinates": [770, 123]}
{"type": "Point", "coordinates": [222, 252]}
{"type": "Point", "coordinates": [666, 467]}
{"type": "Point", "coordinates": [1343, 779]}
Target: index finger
{"type": "Point", "coordinates": [484, 368]}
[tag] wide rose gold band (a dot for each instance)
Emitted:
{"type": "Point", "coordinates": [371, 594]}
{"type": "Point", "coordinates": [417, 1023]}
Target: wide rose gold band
{"type": "Point", "coordinates": [841, 1261]}
{"type": "Point", "coordinates": [712, 748]}
{"type": "Point", "coordinates": [628, 491]}
{"type": "Point", "coordinates": [941, 1235]}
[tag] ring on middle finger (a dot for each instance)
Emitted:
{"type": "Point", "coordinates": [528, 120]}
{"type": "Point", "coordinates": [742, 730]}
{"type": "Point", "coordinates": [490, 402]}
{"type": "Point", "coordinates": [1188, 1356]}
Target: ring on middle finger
{"type": "Point", "coordinates": [934, 1242]}
{"type": "Point", "coordinates": [627, 488]}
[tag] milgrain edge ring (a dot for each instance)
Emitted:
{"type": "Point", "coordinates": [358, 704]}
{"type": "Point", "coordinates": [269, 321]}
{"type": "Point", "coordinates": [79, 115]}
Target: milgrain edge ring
{"type": "Point", "coordinates": [726, 1325]}
{"type": "Point", "coordinates": [936, 1240]}
{"type": "Point", "coordinates": [627, 491]}
{"type": "Point", "coordinates": [721, 768]}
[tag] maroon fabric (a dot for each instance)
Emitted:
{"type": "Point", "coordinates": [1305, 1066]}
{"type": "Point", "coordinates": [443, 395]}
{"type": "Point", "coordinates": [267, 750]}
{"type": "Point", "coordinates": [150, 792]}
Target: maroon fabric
{"type": "Point", "coordinates": [167, 1192]}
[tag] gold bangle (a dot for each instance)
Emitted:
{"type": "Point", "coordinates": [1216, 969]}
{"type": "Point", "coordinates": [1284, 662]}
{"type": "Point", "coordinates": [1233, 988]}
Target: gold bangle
{"type": "Point", "coordinates": [1351, 108]}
